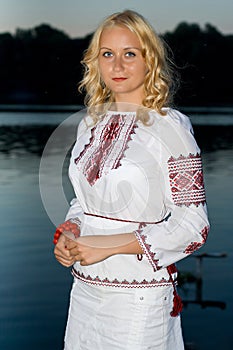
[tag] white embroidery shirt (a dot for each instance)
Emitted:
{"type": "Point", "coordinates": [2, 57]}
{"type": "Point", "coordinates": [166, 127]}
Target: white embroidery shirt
{"type": "Point", "coordinates": [145, 179]}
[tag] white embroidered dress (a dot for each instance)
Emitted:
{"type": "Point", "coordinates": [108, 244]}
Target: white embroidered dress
{"type": "Point", "coordinates": [128, 177]}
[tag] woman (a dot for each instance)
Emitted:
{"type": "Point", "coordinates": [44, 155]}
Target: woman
{"type": "Point", "coordinates": [140, 201]}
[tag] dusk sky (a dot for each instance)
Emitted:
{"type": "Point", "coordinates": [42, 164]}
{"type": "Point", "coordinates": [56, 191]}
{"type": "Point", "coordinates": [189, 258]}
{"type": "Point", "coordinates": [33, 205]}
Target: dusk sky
{"type": "Point", "coordinates": [78, 18]}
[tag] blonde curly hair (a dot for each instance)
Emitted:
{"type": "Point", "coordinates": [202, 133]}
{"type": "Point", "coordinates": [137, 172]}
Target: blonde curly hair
{"type": "Point", "coordinates": [159, 83]}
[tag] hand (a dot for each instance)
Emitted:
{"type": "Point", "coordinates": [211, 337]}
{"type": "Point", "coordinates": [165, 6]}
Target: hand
{"type": "Point", "coordinates": [62, 254]}
{"type": "Point", "coordinates": [86, 254]}
{"type": "Point", "coordinates": [92, 249]}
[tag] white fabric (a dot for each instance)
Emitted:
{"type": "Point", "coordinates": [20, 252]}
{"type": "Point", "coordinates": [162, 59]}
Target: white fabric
{"type": "Point", "coordinates": [135, 319]}
{"type": "Point", "coordinates": [148, 173]}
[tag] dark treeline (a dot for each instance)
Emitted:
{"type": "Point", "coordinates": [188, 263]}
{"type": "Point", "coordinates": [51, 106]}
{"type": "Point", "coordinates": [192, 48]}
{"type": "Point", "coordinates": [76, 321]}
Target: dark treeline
{"type": "Point", "coordinates": [42, 65]}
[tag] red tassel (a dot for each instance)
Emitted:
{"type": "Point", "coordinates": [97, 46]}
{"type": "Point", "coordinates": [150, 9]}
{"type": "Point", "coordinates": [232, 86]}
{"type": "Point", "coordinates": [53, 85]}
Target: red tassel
{"type": "Point", "coordinates": [177, 305]}
{"type": "Point", "coordinates": [171, 269]}
{"type": "Point", "coordinates": [177, 301]}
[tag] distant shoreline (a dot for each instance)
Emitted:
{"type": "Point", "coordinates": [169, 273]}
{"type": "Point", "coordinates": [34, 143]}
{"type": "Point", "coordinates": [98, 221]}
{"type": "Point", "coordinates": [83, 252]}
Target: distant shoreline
{"type": "Point", "coordinates": [39, 108]}
{"type": "Point", "coordinates": [76, 108]}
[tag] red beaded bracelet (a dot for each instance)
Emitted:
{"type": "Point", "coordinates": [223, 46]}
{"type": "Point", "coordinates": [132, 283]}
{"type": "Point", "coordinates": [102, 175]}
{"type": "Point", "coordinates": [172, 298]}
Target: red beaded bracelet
{"type": "Point", "coordinates": [66, 226]}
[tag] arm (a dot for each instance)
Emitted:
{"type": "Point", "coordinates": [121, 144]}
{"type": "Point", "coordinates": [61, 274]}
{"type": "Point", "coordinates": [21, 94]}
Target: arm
{"type": "Point", "coordinates": [92, 249]}
{"type": "Point", "coordinates": [75, 211]}
{"type": "Point", "coordinates": [181, 178]}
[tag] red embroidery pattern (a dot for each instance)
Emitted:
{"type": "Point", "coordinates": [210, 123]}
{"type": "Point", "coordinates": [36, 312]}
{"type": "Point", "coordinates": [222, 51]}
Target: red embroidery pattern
{"type": "Point", "coordinates": [204, 233]}
{"type": "Point", "coordinates": [106, 147]}
{"type": "Point", "coordinates": [193, 246]}
{"type": "Point", "coordinates": [122, 284]}
{"type": "Point", "coordinates": [186, 180]}
{"type": "Point", "coordinates": [87, 146]}
{"type": "Point", "coordinates": [146, 247]}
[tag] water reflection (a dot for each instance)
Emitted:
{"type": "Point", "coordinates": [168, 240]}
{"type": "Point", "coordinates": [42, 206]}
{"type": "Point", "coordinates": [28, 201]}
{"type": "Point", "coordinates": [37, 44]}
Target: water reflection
{"type": "Point", "coordinates": [197, 278]}
{"type": "Point", "coordinates": [20, 140]}
{"type": "Point", "coordinates": [32, 139]}
{"type": "Point", "coordinates": [36, 288]}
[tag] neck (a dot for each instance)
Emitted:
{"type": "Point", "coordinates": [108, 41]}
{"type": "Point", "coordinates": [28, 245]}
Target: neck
{"type": "Point", "coordinates": [135, 99]}
{"type": "Point", "coordinates": [124, 107]}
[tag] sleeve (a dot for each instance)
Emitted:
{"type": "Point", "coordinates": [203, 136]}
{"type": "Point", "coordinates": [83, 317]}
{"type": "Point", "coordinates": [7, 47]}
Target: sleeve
{"type": "Point", "coordinates": [185, 225]}
{"type": "Point", "coordinates": [75, 211]}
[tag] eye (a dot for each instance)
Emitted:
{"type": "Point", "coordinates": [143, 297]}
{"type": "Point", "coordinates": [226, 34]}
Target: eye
{"type": "Point", "coordinates": [107, 54]}
{"type": "Point", "coordinates": [130, 54]}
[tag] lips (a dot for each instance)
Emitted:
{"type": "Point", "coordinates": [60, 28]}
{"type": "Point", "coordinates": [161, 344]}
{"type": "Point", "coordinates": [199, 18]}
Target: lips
{"type": "Point", "coordinates": [119, 79]}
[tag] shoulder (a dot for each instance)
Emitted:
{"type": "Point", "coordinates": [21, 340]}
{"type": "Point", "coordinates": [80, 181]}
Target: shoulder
{"type": "Point", "coordinates": [179, 118]}
{"type": "Point", "coordinates": [85, 124]}
{"type": "Point", "coordinates": [175, 132]}
{"type": "Point", "coordinates": [174, 117]}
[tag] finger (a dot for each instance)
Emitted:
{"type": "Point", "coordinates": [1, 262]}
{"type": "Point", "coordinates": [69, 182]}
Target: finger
{"type": "Point", "coordinates": [65, 262]}
{"type": "Point", "coordinates": [82, 263]}
{"type": "Point", "coordinates": [77, 257]}
{"type": "Point", "coordinates": [70, 244]}
{"type": "Point", "coordinates": [74, 252]}
{"type": "Point", "coordinates": [64, 255]}
{"type": "Point", "coordinates": [61, 249]}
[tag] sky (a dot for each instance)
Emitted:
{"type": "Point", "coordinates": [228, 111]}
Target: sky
{"type": "Point", "coordinates": [79, 18]}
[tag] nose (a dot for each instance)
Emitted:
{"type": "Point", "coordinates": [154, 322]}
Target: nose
{"type": "Point", "coordinates": [118, 63]}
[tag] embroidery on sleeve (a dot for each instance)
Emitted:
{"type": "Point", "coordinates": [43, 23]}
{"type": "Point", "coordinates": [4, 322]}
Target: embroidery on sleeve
{"type": "Point", "coordinates": [151, 256]}
{"type": "Point", "coordinates": [193, 246]}
{"type": "Point", "coordinates": [186, 180]}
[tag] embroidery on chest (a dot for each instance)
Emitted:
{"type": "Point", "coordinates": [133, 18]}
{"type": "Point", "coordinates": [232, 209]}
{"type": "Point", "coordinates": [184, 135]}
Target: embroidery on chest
{"type": "Point", "coordinates": [106, 147]}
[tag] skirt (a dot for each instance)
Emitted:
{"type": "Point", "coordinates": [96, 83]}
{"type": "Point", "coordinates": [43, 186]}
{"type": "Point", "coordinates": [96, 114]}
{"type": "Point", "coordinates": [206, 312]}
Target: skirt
{"type": "Point", "coordinates": [111, 318]}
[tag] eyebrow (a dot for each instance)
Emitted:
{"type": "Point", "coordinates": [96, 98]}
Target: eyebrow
{"type": "Point", "coordinates": [133, 47]}
{"type": "Point", "coordinates": [126, 48]}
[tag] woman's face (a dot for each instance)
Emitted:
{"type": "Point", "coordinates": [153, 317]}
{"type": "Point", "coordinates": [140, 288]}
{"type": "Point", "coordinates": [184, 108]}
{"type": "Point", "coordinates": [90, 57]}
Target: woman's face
{"type": "Point", "coordinates": [121, 64]}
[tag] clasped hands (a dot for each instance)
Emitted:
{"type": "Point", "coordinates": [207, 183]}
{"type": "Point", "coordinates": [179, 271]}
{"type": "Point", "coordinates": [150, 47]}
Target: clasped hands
{"type": "Point", "coordinates": [90, 250]}
{"type": "Point", "coordinates": [67, 251]}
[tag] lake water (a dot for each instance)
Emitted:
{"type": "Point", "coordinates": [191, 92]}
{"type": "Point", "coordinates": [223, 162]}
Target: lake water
{"type": "Point", "coordinates": [34, 288]}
